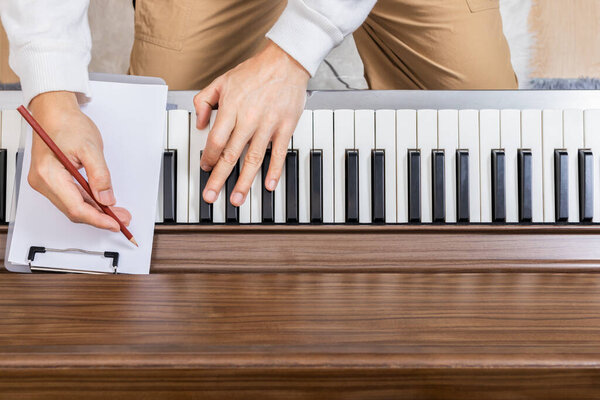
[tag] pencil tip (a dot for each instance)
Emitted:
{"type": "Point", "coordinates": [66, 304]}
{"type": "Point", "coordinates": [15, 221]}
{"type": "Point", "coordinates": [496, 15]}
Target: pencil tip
{"type": "Point", "coordinates": [132, 240]}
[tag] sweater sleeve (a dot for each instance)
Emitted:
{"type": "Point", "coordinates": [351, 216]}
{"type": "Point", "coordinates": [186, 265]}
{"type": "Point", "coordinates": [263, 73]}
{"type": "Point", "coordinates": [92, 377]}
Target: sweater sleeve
{"type": "Point", "coordinates": [309, 29]}
{"type": "Point", "coordinates": [50, 44]}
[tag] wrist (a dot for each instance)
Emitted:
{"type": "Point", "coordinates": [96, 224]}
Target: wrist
{"type": "Point", "coordinates": [52, 103]}
{"type": "Point", "coordinates": [273, 54]}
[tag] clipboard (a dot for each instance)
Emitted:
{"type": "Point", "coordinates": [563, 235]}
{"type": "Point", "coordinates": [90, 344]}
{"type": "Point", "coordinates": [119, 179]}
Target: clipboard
{"type": "Point", "coordinates": [41, 253]}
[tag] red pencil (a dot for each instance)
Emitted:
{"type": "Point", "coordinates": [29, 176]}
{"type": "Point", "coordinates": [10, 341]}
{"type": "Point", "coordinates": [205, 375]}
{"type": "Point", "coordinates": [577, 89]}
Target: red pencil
{"type": "Point", "coordinates": [71, 168]}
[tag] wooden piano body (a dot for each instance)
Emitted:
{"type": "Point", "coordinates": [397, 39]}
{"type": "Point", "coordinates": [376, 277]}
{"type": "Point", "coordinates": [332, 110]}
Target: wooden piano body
{"type": "Point", "coordinates": [320, 311]}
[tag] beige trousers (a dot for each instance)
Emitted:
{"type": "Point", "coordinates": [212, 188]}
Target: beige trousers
{"type": "Point", "coordinates": [404, 44]}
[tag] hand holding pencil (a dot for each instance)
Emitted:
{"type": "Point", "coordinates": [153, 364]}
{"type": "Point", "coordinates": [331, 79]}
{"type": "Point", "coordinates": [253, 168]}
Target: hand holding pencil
{"type": "Point", "coordinates": [79, 140]}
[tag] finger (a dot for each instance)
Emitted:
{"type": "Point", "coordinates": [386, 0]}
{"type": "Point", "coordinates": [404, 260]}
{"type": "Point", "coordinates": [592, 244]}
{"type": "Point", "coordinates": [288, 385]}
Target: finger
{"type": "Point", "coordinates": [98, 175]}
{"type": "Point", "coordinates": [53, 181]}
{"type": "Point", "coordinates": [218, 138]}
{"type": "Point", "coordinates": [88, 199]}
{"type": "Point", "coordinates": [72, 204]}
{"type": "Point", "coordinates": [227, 160]}
{"type": "Point", "coordinates": [123, 214]}
{"type": "Point", "coordinates": [252, 163]}
{"type": "Point", "coordinates": [278, 154]}
{"type": "Point", "coordinates": [205, 101]}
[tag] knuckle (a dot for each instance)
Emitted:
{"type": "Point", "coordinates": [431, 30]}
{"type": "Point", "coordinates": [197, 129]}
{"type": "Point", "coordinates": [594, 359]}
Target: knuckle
{"type": "Point", "coordinates": [34, 180]}
{"type": "Point", "coordinates": [74, 214]}
{"type": "Point", "coordinates": [249, 117]}
{"type": "Point", "coordinates": [216, 141]}
{"type": "Point", "coordinates": [253, 158]}
{"type": "Point", "coordinates": [229, 156]}
{"type": "Point", "coordinates": [197, 100]}
{"type": "Point", "coordinates": [272, 118]}
{"type": "Point", "coordinates": [101, 176]}
{"type": "Point", "coordinates": [38, 175]}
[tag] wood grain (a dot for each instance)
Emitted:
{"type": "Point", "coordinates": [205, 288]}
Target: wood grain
{"type": "Point", "coordinates": [372, 248]}
{"type": "Point", "coordinates": [354, 335]}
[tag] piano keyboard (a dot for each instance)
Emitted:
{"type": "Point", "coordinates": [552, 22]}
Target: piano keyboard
{"type": "Point", "coordinates": [353, 165]}
{"type": "Point", "coordinates": [405, 166]}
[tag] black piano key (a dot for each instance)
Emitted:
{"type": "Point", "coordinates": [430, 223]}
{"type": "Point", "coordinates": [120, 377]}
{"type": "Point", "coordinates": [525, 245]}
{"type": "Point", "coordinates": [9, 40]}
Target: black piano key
{"type": "Point", "coordinates": [462, 186]}
{"type": "Point", "coordinates": [292, 214]}
{"type": "Point", "coordinates": [561, 185]}
{"type": "Point", "coordinates": [232, 213]}
{"type": "Point", "coordinates": [378, 186]}
{"type": "Point", "coordinates": [414, 185]}
{"type": "Point", "coordinates": [170, 186]}
{"type": "Point", "coordinates": [498, 186]}
{"type": "Point", "coordinates": [268, 197]}
{"type": "Point", "coordinates": [3, 211]}
{"type": "Point", "coordinates": [352, 186]}
{"type": "Point", "coordinates": [316, 186]}
{"type": "Point", "coordinates": [206, 209]}
{"type": "Point", "coordinates": [525, 178]}
{"type": "Point", "coordinates": [586, 185]}
{"type": "Point", "coordinates": [438, 195]}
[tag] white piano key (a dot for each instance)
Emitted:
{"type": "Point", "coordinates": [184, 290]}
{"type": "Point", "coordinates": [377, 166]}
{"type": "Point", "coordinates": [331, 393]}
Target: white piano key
{"type": "Point", "coordinates": [179, 134]}
{"type": "Point", "coordinates": [468, 138]}
{"type": "Point", "coordinates": [11, 134]}
{"type": "Point", "coordinates": [573, 141]}
{"type": "Point", "coordinates": [510, 141]}
{"type": "Point", "coordinates": [302, 141]}
{"type": "Point", "coordinates": [489, 138]}
{"type": "Point", "coordinates": [280, 195]}
{"type": "Point", "coordinates": [592, 141]}
{"type": "Point", "coordinates": [197, 143]}
{"type": "Point", "coordinates": [159, 203]}
{"type": "Point", "coordinates": [448, 141]}
{"type": "Point", "coordinates": [385, 138]}
{"type": "Point", "coordinates": [245, 207]}
{"type": "Point", "coordinates": [219, 208]}
{"type": "Point", "coordinates": [531, 138]}
{"type": "Point", "coordinates": [323, 140]}
{"type": "Point", "coordinates": [552, 138]}
{"type": "Point", "coordinates": [426, 142]}
{"type": "Point", "coordinates": [256, 198]}
{"type": "Point", "coordinates": [364, 134]}
{"type": "Point", "coordinates": [343, 137]}
{"type": "Point", "coordinates": [406, 138]}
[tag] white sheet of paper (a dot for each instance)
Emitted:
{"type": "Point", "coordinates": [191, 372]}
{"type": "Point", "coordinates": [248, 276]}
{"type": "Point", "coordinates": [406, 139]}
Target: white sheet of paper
{"type": "Point", "coordinates": [131, 120]}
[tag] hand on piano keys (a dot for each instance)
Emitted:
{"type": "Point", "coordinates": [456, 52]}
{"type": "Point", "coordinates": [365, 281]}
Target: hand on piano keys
{"type": "Point", "coordinates": [413, 166]}
{"type": "Point", "coordinates": [260, 102]}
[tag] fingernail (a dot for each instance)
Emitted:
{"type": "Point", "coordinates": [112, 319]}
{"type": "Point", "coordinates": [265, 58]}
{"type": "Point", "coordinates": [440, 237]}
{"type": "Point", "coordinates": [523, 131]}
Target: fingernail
{"type": "Point", "coordinates": [272, 184]}
{"type": "Point", "coordinates": [237, 199]}
{"type": "Point", "coordinates": [205, 167]}
{"type": "Point", "coordinates": [210, 196]}
{"type": "Point", "coordinates": [106, 197]}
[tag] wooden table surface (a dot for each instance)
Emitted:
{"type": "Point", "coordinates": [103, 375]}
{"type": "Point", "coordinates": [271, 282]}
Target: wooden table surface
{"type": "Point", "coordinates": [301, 335]}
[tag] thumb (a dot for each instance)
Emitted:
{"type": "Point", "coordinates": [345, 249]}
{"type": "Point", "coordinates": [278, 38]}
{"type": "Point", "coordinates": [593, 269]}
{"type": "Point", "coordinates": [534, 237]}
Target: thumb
{"type": "Point", "coordinates": [98, 176]}
{"type": "Point", "coordinates": [205, 101]}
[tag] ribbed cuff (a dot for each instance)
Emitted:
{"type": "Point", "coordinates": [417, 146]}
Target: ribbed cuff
{"type": "Point", "coordinates": [305, 35]}
{"type": "Point", "coordinates": [46, 71]}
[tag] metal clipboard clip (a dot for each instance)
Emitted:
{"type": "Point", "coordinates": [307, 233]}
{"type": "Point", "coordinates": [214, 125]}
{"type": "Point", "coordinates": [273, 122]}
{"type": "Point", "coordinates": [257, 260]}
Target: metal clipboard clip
{"type": "Point", "coordinates": [111, 267]}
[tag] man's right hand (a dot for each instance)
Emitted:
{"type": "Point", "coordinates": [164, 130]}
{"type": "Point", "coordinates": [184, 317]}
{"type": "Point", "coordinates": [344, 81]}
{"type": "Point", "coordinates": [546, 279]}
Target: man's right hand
{"type": "Point", "coordinates": [78, 137]}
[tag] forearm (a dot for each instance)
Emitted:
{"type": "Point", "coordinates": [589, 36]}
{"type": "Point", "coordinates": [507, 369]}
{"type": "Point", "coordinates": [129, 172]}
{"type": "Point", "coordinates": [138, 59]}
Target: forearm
{"type": "Point", "coordinates": [308, 29]}
{"type": "Point", "coordinates": [50, 44]}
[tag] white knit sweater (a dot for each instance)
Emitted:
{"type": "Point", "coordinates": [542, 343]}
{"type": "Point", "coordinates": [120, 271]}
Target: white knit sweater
{"type": "Point", "coordinates": [50, 42]}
